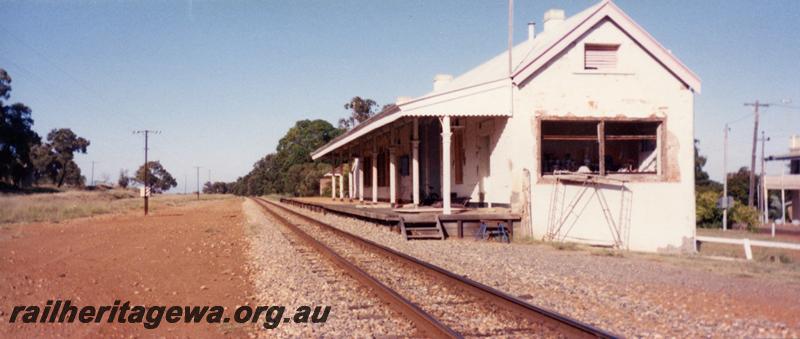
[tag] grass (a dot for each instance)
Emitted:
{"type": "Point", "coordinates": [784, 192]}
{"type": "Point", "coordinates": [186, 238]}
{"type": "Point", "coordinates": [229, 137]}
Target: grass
{"type": "Point", "coordinates": [56, 207]}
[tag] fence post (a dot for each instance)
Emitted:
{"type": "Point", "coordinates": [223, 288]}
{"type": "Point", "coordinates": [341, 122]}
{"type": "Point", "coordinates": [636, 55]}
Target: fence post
{"type": "Point", "coordinates": [748, 252]}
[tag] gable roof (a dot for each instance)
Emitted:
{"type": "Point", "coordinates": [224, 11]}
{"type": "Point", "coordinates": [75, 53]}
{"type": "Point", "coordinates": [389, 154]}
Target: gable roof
{"type": "Point", "coordinates": [581, 23]}
{"type": "Point", "coordinates": [463, 96]}
{"type": "Point", "coordinates": [532, 55]}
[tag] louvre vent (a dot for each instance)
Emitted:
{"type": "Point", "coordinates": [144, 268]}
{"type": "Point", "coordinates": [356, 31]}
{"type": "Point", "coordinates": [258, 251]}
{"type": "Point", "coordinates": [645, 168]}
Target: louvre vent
{"type": "Point", "coordinates": [600, 57]}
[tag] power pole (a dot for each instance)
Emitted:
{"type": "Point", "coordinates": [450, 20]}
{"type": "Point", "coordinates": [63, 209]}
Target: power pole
{"type": "Point", "coordinates": [198, 181]}
{"type": "Point", "coordinates": [725, 181]}
{"type": "Point", "coordinates": [185, 183]}
{"type": "Point", "coordinates": [146, 133]}
{"type": "Point", "coordinates": [756, 105]}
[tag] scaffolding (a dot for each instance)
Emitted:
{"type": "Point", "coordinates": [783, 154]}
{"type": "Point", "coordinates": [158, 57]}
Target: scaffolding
{"type": "Point", "coordinates": [563, 214]}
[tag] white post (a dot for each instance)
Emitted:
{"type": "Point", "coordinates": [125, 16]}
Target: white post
{"type": "Point", "coordinates": [341, 186]}
{"type": "Point", "coordinates": [333, 185]}
{"type": "Point", "coordinates": [446, 134]}
{"type": "Point", "coordinates": [360, 180]}
{"type": "Point", "coordinates": [375, 177]}
{"type": "Point", "coordinates": [783, 202]}
{"type": "Point", "coordinates": [415, 163]}
{"type": "Point", "coordinates": [392, 176]}
{"type": "Point", "coordinates": [748, 251]}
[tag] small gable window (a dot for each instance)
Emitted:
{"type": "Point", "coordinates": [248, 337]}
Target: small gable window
{"type": "Point", "coordinates": [600, 57]}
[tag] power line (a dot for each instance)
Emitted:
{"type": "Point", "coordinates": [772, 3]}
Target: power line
{"type": "Point", "coordinates": [53, 64]}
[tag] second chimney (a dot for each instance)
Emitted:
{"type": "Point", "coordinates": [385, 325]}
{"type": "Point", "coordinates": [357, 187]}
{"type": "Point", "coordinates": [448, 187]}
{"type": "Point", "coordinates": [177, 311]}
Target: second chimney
{"type": "Point", "coordinates": [531, 30]}
{"type": "Point", "coordinates": [553, 19]}
{"type": "Point", "coordinates": [441, 80]}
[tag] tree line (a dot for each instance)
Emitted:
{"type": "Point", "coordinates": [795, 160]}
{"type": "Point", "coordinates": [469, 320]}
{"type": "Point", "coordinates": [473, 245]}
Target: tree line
{"type": "Point", "coordinates": [289, 170]}
{"type": "Point", "coordinates": [26, 159]}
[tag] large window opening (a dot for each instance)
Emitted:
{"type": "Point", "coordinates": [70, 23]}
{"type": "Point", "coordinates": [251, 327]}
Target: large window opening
{"type": "Point", "coordinates": [570, 146]}
{"type": "Point", "coordinates": [577, 146]}
{"type": "Point", "coordinates": [631, 147]}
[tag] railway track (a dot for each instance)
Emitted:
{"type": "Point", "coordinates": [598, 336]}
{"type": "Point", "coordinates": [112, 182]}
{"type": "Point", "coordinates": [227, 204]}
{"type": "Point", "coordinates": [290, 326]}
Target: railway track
{"type": "Point", "coordinates": [439, 303]}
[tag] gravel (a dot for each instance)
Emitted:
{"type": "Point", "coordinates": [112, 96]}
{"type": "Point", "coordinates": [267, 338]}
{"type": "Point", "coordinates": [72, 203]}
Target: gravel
{"type": "Point", "coordinates": [288, 273]}
{"type": "Point", "coordinates": [460, 311]}
{"type": "Point", "coordinates": [624, 294]}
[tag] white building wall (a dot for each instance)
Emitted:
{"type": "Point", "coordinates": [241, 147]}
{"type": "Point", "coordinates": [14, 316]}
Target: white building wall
{"type": "Point", "coordinates": [663, 212]}
{"type": "Point", "coordinates": [662, 209]}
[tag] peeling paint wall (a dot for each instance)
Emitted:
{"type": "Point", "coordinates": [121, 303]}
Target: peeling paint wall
{"type": "Point", "coordinates": [661, 207]}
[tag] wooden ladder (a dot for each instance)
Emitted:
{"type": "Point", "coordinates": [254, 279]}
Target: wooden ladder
{"type": "Point", "coordinates": [427, 232]}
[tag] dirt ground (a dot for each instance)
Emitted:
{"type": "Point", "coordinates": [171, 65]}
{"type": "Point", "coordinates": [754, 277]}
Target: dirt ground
{"type": "Point", "coordinates": [187, 255]}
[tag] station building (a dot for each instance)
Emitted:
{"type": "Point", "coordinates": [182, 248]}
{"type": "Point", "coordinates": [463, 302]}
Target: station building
{"type": "Point", "coordinates": [586, 129]}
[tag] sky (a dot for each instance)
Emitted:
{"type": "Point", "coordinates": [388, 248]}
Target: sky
{"type": "Point", "coordinates": [223, 81]}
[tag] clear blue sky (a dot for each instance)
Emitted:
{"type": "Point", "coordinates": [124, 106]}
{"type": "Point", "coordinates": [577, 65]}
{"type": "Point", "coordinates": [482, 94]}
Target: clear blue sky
{"type": "Point", "coordinates": [224, 80]}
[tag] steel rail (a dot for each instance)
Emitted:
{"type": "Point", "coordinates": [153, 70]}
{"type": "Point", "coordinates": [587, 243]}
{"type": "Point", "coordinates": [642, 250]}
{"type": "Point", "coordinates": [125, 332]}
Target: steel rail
{"type": "Point", "coordinates": [425, 323]}
{"type": "Point", "coordinates": [563, 324]}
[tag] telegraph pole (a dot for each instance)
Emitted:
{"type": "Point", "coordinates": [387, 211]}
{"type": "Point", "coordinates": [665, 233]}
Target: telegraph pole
{"type": "Point", "coordinates": [756, 105]}
{"type": "Point", "coordinates": [146, 133]}
{"type": "Point", "coordinates": [198, 181]}
{"type": "Point", "coordinates": [725, 181]}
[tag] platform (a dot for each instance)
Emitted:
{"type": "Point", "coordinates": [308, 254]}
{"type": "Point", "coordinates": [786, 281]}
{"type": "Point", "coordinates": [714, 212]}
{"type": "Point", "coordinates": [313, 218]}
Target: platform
{"type": "Point", "coordinates": [463, 222]}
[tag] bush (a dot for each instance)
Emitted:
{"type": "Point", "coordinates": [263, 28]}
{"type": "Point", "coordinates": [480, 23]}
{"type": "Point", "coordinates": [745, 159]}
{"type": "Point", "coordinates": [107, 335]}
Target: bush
{"type": "Point", "coordinates": [745, 216]}
{"type": "Point", "coordinates": [706, 211]}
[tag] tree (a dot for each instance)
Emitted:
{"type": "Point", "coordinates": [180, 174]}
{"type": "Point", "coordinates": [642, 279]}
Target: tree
{"type": "Point", "coordinates": [306, 177]}
{"type": "Point", "coordinates": [217, 187]}
{"type": "Point", "coordinates": [702, 182]}
{"type": "Point", "coordinates": [72, 175]}
{"type": "Point", "coordinates": [16, 137]}
{"type": "Point", "coordinates": [158, 179]}
{"type": "Point", "coordinates": [5, 84]}
{"type": "Point", "coordinates": [44, 163]}
{"type": "Point", "coordinates": [739, 184]}
{"type": "Point", "coordinates": [700, 176]}
{"type": "Point", "coordinates": [295, 148]}
{"type": "Point", "coordinates": [283, 171]}
{"type": "Point", "coordinates": [55, 158]}
{"type": "Point", "coordinates": [360, 110]}
{"type": "Point", "coordinates": [123, 180]}
{"type": "Point", "coordinates": [707, 214]}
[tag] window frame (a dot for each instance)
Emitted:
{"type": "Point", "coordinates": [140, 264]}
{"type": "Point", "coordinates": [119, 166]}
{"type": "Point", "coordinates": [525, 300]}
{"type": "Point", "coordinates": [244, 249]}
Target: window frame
{"type": "Point", "coordinates": [601, 138]}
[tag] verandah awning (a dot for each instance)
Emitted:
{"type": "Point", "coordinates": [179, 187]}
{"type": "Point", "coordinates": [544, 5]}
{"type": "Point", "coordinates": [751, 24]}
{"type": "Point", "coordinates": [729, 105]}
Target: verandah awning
{"type": "Point", "coordinates": [488, 99]}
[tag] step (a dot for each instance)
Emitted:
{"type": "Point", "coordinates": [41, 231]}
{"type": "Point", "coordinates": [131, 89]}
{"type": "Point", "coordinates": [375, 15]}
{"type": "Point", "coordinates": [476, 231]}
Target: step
{"type": "Point", "coordinates": [422, 228]}
{"type": "Point", "coordinates": [425, 236]}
